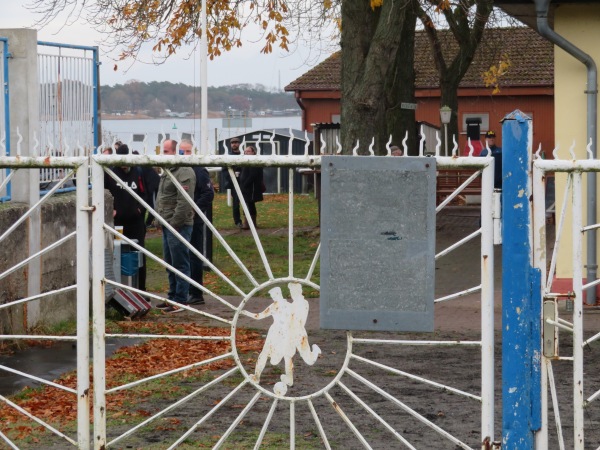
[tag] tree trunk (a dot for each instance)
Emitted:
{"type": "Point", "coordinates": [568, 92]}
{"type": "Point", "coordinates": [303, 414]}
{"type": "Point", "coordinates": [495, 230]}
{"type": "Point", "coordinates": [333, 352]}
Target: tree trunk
{"type": "Point", "coordinates": [377, 75]}
{"type": "Point", "coordinates": [468, 36]}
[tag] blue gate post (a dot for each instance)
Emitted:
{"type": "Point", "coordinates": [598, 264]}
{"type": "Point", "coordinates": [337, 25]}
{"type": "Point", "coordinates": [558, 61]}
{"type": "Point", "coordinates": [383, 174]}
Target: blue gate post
{"type": "Point", "coordinates": [521, 336]}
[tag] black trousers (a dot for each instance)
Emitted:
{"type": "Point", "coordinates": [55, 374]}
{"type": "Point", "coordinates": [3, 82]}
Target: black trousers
{"type": "Point", "coordinates": [251, 208]}
{"type": "Point", "coordinates": [196, 265]}
{"type": "Point", "coordinates": [235, 206]}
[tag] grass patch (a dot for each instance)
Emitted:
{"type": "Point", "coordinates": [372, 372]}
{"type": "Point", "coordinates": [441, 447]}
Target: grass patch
{"type": "Point", "coordinates": [272, 215]}
{"type": "Point", "coordinates": [64, 328]}
{"type": "Point", "coordinates": [272, 212]}
{"type": "Point", "coordinates": [156, 276]}
{"type": "Point", "coordinates": [276, 249]}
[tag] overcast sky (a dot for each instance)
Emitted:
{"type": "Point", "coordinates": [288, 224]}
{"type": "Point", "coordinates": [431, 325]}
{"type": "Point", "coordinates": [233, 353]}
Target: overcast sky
{"type": "Point", "coordinates": [244, 65]}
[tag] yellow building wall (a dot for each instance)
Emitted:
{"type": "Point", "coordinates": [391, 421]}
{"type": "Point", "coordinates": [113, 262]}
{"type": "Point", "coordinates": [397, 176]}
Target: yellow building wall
{"type": "Point", "coordinates": [580, 25]}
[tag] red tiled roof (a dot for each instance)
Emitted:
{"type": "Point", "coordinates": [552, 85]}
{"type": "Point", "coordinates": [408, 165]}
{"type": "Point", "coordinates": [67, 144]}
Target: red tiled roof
{"type": "Point", "coordinates": [325, 76]}
{"type": "Point", "coordinates": [530, 55]}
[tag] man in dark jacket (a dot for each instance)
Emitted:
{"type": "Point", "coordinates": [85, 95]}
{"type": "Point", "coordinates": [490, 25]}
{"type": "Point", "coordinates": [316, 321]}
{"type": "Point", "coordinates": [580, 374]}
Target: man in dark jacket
{"type": "Point", "coordinates": [235, 205]}
{"type": "Point", "coordinates": [151, 179]}
{"type": "Point", "coordinates": [127, 212]}
{"type": "Point", "coordinates": [496, 152]}
{"type": "Point", "coordinates": [204, 194]}
{"type": "Point", "coordinates": [251, 185]}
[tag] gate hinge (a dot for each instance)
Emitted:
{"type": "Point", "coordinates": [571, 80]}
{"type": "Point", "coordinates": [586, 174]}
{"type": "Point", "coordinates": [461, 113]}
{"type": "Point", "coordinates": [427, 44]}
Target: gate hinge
{"type": "Point", "coordinates": [550, 329]}
{"type": "Point", "coordinates": [497, 216]}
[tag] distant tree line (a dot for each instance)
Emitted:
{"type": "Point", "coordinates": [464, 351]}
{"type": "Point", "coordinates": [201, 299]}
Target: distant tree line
{"type": "Point", "coordinates": [156, 97]}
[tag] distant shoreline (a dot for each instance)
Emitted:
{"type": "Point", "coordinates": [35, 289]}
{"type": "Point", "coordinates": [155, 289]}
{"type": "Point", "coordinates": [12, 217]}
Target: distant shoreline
{"type": "Point", "coordinates": [211, 115]}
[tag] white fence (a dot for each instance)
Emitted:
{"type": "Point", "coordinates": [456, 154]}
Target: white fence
{"type": "Point", "coordinates": [571, 387]}
{"type": "Point", "coordinates": [247, 389]}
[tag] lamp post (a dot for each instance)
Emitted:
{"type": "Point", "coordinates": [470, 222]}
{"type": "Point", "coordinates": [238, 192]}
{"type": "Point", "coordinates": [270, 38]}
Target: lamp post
{"type": "Point", "coordinates": [445, 116]}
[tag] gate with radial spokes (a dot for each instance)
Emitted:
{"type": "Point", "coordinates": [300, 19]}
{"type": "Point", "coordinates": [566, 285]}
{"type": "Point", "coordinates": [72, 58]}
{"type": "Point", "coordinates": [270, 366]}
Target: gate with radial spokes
{"type": "Point", "coordinates": [276, 390]}
{"type": "Point", "coordinates": [297, 385]}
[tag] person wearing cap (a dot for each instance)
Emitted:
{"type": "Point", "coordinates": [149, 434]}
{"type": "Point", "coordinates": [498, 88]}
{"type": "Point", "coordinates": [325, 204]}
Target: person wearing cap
{"type": "Point", "coordinates": [234, 145]}
{"type": "Point", "coordinates": [496, 152]}
{"type": "Point", "coordinates": [127, 211]}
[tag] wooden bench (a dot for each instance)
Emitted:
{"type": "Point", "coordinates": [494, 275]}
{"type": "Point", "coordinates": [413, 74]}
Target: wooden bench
{"type": "Point", "coordinates": [448, 180]}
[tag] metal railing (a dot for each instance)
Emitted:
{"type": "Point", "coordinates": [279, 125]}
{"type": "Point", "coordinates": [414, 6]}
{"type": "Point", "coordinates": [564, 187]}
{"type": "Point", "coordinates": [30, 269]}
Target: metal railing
{"type": "Point", "coordinates": [578, 398]}
{"type": "Point", "coordinates": [358, 353]}
{"type": "Point", "coordinates": [68, 83]}
{"type": "Point", "coordinates": [73, 166]}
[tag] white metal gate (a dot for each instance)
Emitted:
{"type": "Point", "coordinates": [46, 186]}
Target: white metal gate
{"type": "Point", "coordinates": [355, 398]}
{"type": "Point", "coordinates": [16, 302]}
{"type": "Point", "coordinates": [570, 334]}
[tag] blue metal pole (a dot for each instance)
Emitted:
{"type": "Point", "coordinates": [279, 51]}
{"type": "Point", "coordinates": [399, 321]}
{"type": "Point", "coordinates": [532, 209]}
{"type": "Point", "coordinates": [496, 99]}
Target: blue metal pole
{"type": "Point", "coordinates": [521, 340]}
{"type": "Point", "coordinates": [96, 92]}
{"type": "Point", "coordinates": [76, 47]}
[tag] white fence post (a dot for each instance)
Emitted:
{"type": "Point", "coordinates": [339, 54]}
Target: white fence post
{"type": "Point", "coordinates": [98, 325]}
{"type": "Point", "coordinates": [83, 309]}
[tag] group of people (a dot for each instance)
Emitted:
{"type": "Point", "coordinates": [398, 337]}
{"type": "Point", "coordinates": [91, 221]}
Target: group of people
{"type": "Point", "coordinates": [166, 195]}
{"type": "Point", "coordinates": [160, 192]}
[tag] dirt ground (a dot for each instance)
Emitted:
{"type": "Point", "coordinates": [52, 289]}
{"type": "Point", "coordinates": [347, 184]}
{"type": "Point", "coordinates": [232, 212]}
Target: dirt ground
{"type": "Point", "coordinates": [402, 385]}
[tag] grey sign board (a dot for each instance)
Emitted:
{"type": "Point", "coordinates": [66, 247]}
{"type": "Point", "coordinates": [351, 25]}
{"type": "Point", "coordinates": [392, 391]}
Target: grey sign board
{"type": "Point", "coordinates": [377, 243]}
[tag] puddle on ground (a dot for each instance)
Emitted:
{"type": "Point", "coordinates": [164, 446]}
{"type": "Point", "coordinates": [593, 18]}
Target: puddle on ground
{"type": "Point", "coordinates": [48, 363]}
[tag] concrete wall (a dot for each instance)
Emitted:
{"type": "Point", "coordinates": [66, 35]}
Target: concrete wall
{"type": "Point", "coordinates": [57, 266]}
{"type": "Point", "coordinates": [12, 320]}
{"type": "Point", "coordinates": [580, 24]}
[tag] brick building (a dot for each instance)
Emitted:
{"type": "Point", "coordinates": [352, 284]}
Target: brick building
{"type": "Point", "coordinates": [527, 85]}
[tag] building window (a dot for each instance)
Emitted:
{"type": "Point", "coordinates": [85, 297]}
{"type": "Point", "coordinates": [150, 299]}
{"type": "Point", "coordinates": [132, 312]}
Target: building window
{"type": "Point", "coordinates": [485, 121]}
{"type": "Point", "coordinates": [335, 118]}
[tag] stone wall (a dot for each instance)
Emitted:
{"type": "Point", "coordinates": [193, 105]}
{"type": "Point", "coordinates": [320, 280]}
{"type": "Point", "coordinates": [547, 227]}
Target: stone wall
{"type": "Point", "coordinates": [58, 266]}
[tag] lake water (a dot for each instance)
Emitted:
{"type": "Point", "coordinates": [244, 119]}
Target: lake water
{"type": "Point", "coordinates": [131, 131]}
